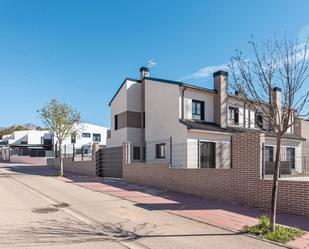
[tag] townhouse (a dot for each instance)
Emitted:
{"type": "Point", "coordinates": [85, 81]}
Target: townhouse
{"type": "Point", "coordinates": [189, 126]}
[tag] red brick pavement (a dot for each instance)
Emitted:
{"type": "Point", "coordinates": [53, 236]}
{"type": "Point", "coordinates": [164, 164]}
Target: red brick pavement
{"type": "Point", "coordinates": [219, 213]}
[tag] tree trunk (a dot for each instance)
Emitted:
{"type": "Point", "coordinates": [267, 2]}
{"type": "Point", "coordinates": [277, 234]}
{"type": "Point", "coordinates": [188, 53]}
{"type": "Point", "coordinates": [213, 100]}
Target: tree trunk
{"type": "Point", "coordinates": [60, 159]}
{"type": "Point", "coordinates": [273, 208]}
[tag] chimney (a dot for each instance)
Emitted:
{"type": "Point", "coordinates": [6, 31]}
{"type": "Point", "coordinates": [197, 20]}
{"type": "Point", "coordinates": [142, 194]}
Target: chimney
{"type": "Point", "coordinates": [221, 98]}
{"type": "Point", "coordinates": [276, 98]}
{"type": "Point", "coordinates": [144, 72]}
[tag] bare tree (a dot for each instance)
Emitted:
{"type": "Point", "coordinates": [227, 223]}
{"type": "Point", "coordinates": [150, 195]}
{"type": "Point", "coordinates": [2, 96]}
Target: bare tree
{"type": "Point", "coordinates": [272, 83]}
{"type": "Point", "coordinates": [62, 120]}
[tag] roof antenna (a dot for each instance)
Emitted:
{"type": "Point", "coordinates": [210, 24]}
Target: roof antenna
{"type": "Point", "coordinates": [151, 63]}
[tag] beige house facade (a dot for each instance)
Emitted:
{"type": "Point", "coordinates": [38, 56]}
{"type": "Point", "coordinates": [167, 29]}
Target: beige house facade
{"type": "Point", "coordinates": [188, 126]}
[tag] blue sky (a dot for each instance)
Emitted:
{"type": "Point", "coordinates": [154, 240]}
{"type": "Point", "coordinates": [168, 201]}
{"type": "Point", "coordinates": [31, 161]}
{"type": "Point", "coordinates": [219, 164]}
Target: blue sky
{"type": "Point", "coordinates": [80, 51]}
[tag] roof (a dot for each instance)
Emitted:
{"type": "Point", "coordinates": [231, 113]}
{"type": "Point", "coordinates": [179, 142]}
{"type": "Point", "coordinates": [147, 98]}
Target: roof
{"type": "Point", "coordinates": [286, 136]}
{"type": "Point", "coordinates": [209, 126]}
{"type": "Point", "coordinates": [202, 125]}
{"type": "Point", "coordinates": [179, 83]}
{"type": "Point", "coordinates": [131, 79]}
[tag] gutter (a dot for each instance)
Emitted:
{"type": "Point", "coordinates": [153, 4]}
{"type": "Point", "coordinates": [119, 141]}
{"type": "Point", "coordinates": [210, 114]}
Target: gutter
{"type": "Point", "coordinates": [183, 102]}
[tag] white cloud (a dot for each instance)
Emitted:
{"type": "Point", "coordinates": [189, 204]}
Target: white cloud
{"type": "Point", "coordinates": [205, 72]}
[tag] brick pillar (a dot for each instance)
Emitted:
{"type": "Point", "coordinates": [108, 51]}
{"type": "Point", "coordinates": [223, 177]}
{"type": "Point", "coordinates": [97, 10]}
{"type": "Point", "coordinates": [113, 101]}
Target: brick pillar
{"type": "Point", "coordinates": [95, 148]}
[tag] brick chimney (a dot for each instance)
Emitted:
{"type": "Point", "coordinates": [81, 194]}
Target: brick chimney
{"type": "Point", "coordinates": [144, 72]}
{"type": "Point", "coordinates": [276, 98]}
{"type": "Point", "coordinates": [221, 98]}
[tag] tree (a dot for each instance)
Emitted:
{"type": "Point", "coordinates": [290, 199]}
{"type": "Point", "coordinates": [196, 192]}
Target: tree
{"type": "Point", "coordinates": [62, 120]}
{"type": "Point", "coordinates": [272, 83]}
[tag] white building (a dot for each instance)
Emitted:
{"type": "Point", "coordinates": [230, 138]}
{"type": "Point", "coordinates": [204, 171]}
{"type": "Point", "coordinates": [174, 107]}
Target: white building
{"type": "Point", "coordinates": [87, 134]}
{"type": "Point", "coordinates": [42, 143]}
{"type": "Point", "coordinates": [30, 137]}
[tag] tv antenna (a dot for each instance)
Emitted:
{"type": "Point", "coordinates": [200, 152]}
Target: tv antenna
{"type": "Point", "coordinates": [151, 63]}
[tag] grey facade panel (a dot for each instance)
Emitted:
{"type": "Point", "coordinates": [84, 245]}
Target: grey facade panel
{"type": "Point", "coordinates": [129, 119]}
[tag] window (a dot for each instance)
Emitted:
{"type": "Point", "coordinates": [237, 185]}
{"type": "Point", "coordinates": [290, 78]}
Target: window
{"type": "Point", "coordinates": [73, 139]}
{"type": "Point", "coordinates": [197, 110]}
{"type": "Point", "coordinates": [108, 133]}
{"type": "Point", "coordinates": [233, 115]}
{"type": "Point", "coordinates": [136, 153]}
{"type": "Point", "coordinates": [207, 155]}
{"type": "Point", "coordinates": [86, 134]}
{"type": "Point", "coordinates": [116, 122]}
{"type": "Point", "coordinates": [290, 156]}
{"type": "Point", "coordinates": [269, 154]}
{"type": "Point", "coordinates": [96, 137]}
{"type": "Point", "coordinates": [160, 150]}
{"type": "Point", "coordinates": [259, 121]}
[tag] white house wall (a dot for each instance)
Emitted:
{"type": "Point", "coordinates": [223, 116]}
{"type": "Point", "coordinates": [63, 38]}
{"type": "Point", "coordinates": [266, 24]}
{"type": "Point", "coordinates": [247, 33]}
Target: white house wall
{"type": "Point", "coordinates": [223, 148]}
{"type": "Point", "coordinates": [207, 98]}
{"type": "Point", "coordinates": [35, 137]}
{"type": "Point", "coordinates": [162, 118]}
{"type": "Point", "coordinates": [127, 99]}
{"type": "Point", "coordinates": [134, 96]}
{"type": "Point", "coordinates": [86, 142]}
{"type": "Point", "coordinates": [28, 136]}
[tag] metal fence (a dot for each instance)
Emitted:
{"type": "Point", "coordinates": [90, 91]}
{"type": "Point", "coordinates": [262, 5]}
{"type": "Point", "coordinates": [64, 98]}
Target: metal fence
{"type": "Point", "coordinates": [216, 153]}
{"type": "Point", "coordinates": [32, 152]}
{"type": "Point", "coordinates": [190, 154]}
{"type": "Point", "coordinates": [294, 162]}
{"type": "Point", "coordinates": [77, 153]}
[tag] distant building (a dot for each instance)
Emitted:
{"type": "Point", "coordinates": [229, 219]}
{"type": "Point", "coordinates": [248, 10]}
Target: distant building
{"type": "Point", "coordinates": [36, 143]}
{"type": "Point", "coordinates": [87, 135]}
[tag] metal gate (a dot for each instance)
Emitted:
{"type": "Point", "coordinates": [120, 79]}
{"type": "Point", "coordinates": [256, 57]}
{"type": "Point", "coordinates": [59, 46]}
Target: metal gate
{"type": "Point", "coordinates": [109, 162]}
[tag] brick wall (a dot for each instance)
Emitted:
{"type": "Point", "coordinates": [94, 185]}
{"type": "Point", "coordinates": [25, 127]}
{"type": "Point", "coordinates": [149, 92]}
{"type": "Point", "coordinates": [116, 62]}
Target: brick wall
{"type": "Point", "coordinates": [77, 167]}
{"type": "Point", "coordinates": [29, 160]}
{"type": "Point", "coordinates": [241, 184]}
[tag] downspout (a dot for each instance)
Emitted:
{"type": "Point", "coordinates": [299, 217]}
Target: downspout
{"type": "Point", "coordinates": [244, 119]}
{"type": "Point", "coordinates": [183, 102]}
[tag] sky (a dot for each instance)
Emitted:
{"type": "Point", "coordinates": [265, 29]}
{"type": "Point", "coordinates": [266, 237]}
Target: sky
{"type": "Point", "coordinates": [80, 51]}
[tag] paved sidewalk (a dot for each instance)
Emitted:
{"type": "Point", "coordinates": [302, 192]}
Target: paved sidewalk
{"type": "Point", "coordinates": [218, 213]}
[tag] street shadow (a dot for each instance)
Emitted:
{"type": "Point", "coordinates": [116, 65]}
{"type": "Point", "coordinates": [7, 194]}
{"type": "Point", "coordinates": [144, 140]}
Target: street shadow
{"type": "Point", "coordinates": [41, 170]}
{"type": "Point", "coordinates": [69, 231]}
{"type": "Point", "coordinates": [66, 231]}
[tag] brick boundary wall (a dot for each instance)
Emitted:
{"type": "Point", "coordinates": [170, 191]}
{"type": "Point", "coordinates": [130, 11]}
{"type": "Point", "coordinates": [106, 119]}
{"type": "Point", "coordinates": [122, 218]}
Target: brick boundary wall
{"type": "Point", "coordinates": [241, 184]}
{"type": "Point", "coordinates": [78, 167]}
{"type": "Point", "coordinates": [29, 160]}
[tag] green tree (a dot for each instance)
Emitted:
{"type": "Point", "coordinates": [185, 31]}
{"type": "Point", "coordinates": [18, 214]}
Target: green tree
{"type": "Point", "coordinates": [62, 120]}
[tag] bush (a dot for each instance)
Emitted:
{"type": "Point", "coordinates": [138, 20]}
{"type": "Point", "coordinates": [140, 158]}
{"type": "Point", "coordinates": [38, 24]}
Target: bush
{"type": "Point", "coordinates": [281, 234]}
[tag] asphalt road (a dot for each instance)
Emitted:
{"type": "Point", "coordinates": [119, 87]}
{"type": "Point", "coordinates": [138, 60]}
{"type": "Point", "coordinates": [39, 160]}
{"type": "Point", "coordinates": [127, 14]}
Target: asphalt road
{"type": "Point", "coordinates": [38, 211]}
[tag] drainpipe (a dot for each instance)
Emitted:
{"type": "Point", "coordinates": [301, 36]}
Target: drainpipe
{"type": "Point", "coordinates": [183, 102]}
{"type": "Point", "coordinates": [244, 119]}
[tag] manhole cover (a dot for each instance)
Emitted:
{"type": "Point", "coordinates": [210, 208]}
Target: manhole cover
{"type": "Point", "coordinates": [44, 210]}
{"type": "Point", "coordinates": [61, 205]}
